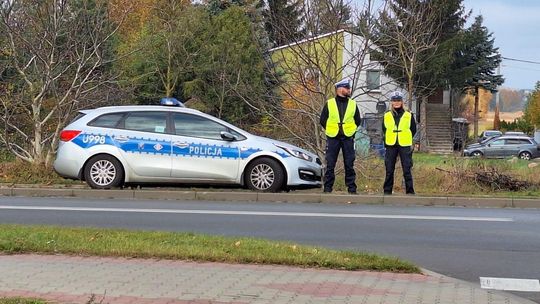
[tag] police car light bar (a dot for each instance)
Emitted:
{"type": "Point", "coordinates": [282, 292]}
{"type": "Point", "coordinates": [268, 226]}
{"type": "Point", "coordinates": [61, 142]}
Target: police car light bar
{"type": "Point", "coordinates": [170, 101]}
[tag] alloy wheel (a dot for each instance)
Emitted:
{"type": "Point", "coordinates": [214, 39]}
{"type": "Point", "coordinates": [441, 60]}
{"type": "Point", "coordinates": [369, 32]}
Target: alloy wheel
{"type": "Point", "coordinates": [262, 176]}
{"type": "Point", "coordinates": [103, 172]}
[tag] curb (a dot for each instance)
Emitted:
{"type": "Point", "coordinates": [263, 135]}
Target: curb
{"type": "Point", "coordinates": [197, 195]}
{"type": "Point", "coordinates": [452, 279]}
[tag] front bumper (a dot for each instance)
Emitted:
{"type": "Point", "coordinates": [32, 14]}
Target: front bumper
{"type": "Point", "coordinates": [303, 173]}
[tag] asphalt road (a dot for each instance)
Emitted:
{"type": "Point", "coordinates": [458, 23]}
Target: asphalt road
{"type": "Point", "coordinates": [464, 243]}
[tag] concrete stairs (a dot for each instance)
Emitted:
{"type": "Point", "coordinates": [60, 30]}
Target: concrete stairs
{"type": "Point", "coordinates": [439, 129]}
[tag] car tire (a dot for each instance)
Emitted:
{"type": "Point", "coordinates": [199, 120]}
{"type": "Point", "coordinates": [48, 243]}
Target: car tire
{"type": "Point", "coordinates": [477, 154]}
{"type": "Point", "coordinates": [104, 172]}
{"type": "Point", "coordinates": [264, 174]}
{"type": "Point", "coordinates": [525, 155]}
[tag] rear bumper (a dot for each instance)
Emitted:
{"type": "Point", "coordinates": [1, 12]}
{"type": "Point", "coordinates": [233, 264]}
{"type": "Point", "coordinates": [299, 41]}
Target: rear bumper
{"type": "Point", "coordinates": [70, 160]}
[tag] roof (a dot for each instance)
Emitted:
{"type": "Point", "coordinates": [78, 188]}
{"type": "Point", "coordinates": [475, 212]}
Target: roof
{"type": "Point", "coordinates": [308, 40]}
{"type": "Point", "coordinates": [141, 108]}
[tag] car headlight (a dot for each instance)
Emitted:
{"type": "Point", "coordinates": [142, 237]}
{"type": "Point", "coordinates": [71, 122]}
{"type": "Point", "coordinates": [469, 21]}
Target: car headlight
{"type": "Point", "coordinates": [296, 153]}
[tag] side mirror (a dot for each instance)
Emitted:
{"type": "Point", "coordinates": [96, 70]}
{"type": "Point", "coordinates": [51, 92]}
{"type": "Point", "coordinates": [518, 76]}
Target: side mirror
{"type": "Point", "coordinates": [489, 145]}
{"type": "Point", "coordinates": [227, 136]}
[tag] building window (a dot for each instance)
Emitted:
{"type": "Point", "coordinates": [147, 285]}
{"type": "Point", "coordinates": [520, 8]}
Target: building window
{"type": "Point", "coordinates": [373, 80]}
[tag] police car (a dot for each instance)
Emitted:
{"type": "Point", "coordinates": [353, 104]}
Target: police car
{"type": "Point", "coordinates": [111, 146]}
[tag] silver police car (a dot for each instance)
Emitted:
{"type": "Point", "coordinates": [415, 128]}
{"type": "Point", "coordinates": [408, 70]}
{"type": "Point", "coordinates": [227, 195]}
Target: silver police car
{"type": "Point", "coordinates": [111, 146]}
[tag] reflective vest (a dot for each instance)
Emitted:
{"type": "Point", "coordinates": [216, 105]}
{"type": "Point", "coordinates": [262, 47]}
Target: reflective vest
{"type": "Point", "coordinates": [401, 134]}
{"type": "Point", "coordinates": [333, 122]}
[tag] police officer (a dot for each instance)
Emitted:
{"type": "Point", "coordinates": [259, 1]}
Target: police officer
{"type": "Point", "coordinates": [340, 118]}
{"type": "Point", "coordinates": [399, 128]}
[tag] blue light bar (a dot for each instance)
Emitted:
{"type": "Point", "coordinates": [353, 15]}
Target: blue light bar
{"type": "Point", "coordinates": [171, 101]}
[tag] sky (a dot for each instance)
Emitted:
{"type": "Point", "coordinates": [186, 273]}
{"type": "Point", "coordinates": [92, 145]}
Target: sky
{"type": "Point", "coordinates": [516, 29]}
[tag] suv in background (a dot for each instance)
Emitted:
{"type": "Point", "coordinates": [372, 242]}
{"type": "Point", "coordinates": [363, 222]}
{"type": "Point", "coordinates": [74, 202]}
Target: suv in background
{"type": "Point", "coordinates": [523, 147]}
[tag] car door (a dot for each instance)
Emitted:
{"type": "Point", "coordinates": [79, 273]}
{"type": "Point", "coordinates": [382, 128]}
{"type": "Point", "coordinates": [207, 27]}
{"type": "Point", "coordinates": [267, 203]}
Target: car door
{"type": "Point", "coordinates": [512, 147]}
{"type": "Point", "coordinates": [495, 148]}
{"type": "Point", "coordinates": [200, 153]}
{"type": "Point", "coordinates": [144, 141]}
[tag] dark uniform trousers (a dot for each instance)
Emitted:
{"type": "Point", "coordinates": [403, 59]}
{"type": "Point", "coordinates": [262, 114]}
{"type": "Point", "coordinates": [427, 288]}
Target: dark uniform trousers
{"type": "Point", "coordinates": [333, 145]}
{"type": "Point", "coordinates": [405, 154]}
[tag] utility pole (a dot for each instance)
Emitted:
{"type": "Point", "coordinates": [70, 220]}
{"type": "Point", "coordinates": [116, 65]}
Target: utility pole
{"type": "Point", "coordinates": [496, 117]}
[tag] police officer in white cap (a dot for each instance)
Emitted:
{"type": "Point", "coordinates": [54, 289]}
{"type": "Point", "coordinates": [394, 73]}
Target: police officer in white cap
{"type": "Point", "coordinates": [399, 128]}
{"type": "Point", "coordinates": [340, 118]}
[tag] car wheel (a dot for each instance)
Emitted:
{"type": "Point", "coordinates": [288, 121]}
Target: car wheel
{"type": "Point", "coordinates": [525, 155]}
{"type": "Point", "coordinates": [104, 172]}
{"type": "Point", "coordinates": [264, 174]}
{"type": "Point", "coordinates": [477, 154]}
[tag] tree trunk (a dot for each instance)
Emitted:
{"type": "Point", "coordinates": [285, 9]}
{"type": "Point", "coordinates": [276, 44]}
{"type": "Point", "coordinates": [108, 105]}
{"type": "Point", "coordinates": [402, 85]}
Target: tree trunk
{"type": "Point", "coordinates": [410, 88]}
{"type": "Point", "coordinates": [497, 119]}
{"type": "Point", "coordinates": [423, 125]}
{"type": "Point", "coordinates": [476, 100]}
{"type": "Point", "coordinates": [37, 146]}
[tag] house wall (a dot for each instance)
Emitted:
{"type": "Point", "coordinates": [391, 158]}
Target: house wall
{"type": "Point", "coordinates": [322, 56]}
{"type": "Point", "coordinates": [356, 69]}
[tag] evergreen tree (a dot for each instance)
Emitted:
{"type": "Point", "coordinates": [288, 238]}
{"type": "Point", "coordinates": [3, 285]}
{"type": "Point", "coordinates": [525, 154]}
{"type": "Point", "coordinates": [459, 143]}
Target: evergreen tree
{"type": "Point", "coordinates": [326, 16]}
{"type": "Point", "coordinates": [442, 70]}
{"type": "Point", "coordinates": [218, 6]}
{"type": "Point", "coordinates": [408, 35]}
{"type": "Point", "coordinates": [283, 21]}
{"type": "Point", "coordinates": [482, 59]}
{"type": "Point", "coordinates": [230, 69]}
{"type": "Point", "coordinates": [436, 66]}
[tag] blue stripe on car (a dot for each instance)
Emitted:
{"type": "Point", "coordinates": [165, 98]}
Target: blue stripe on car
{"type": "Point", "coordinates": [151, 146]}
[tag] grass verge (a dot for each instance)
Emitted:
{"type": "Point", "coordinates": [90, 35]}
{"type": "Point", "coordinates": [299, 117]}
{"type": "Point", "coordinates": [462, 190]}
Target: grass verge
{"type": "Point", "coordinates": [16, 239]}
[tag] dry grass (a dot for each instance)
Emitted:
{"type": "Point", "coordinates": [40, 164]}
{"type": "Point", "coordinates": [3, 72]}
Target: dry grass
{"type": "Point", "coordinates": [429, 180]}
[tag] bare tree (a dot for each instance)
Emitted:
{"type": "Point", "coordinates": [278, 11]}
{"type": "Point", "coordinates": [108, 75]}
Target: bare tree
{"type": "Point", "coordinates": [409, 33]}
{"type": "Point", "coordinates": [58, 53]}
{"type": "Point", "coordinates": [307, 69]}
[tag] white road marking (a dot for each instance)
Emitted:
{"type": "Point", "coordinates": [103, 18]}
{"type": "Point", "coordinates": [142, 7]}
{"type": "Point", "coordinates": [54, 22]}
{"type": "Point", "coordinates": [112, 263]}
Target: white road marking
{"type": "Point", "coordinates": [261, 213]}
{"type": "Point", "coordinates": [510, 284]}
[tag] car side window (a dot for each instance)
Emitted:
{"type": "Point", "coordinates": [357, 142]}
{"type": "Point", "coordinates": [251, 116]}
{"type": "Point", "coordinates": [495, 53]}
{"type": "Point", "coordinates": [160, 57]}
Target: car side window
{"type": "Point", "coordinates": [197, 126]}
{"type": "Point", "coordinates": [499, 142]}
{"type": "Point", "coordinates": [110, 120]}
{"type": "Point", "coordinates": [513, 142]}
{"type": "Point", "coordinates": [525, 142]}
{"type": "Point", "coordinates": [155, 122]}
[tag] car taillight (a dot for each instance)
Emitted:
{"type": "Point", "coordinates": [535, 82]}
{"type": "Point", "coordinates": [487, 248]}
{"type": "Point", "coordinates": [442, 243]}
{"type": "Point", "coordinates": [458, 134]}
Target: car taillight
{"type": "Point", "coordinates": [67, 135]}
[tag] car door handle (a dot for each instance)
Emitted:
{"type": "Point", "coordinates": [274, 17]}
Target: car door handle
{"type": "Point", "coordinates": [180, 144]}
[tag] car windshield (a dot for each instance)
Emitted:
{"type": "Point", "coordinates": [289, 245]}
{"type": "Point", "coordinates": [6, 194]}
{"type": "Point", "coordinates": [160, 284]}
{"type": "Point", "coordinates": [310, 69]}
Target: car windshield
{"type": "Point", "coordinates": [488, 139]}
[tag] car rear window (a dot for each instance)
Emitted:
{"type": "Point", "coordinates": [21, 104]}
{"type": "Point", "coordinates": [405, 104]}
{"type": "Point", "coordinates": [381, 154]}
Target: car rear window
{"type": "Point", "coordinates": [110, 120]}
{"type": "Point", "coordinates": [79, 116]}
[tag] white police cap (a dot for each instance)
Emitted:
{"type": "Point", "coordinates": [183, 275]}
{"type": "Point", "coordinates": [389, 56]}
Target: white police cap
{"type": "Point", "coordinates": [396, 95]}
{"type": "Point", "coordinates": [344, 83]}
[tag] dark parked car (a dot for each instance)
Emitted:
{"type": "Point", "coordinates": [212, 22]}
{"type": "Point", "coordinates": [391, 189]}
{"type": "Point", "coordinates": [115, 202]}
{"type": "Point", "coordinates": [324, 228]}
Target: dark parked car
{"type": "Point", "coordinates": [505, 146]}
{"type": "Point", "coordinates": [489, 133]}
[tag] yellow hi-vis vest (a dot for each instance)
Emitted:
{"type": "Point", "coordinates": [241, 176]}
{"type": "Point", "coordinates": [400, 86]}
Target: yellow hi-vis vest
{"type": "Point", "coordinates": [333, 122]}
{"type": "Point", "coordinates": [402, 133]}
